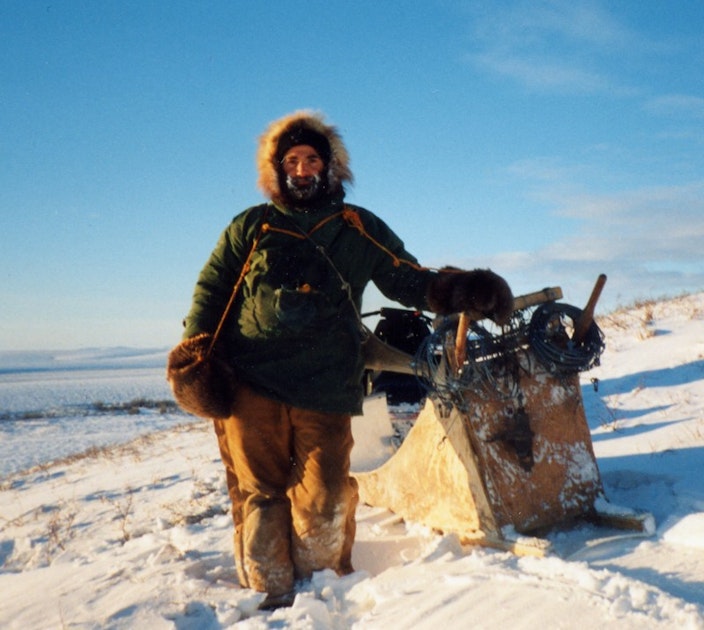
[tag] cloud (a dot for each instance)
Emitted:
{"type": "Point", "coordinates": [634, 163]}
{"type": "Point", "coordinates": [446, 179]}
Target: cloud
{"type": "Point", "coordinates": [601, 203]}
{"type": "Point", "coordinates": [663, 224]}
{"type": "Point", "coordinates": [553, 46]}
{"type": "Point", "coordinates": [545, 172]}
{"type": "Point", "coordinates": [538, 72]}
{"type": "Point", "coordinates": [529, 22]}
{"type": "Point", "coordinates": [676, 104]}
{"type": "Point", "coordinates": [648, 240]}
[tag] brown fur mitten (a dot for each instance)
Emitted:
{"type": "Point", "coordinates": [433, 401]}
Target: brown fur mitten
{"type": "Point", "coordinates": [482, 291]}
{"type": "Point", "coordinates": [203, 386]}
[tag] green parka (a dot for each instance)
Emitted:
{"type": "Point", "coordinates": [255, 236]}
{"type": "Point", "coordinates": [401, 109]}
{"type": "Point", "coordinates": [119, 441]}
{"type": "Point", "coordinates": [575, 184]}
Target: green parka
{"type": "Point", "coordinates": [294, 332]}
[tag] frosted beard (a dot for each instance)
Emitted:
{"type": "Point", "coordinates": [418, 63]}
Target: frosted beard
{"type": "Point", "coordinates": [304, 189]}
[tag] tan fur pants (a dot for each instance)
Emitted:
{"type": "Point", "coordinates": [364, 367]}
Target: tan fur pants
{"type": "Point", "coordinates": [293, 501]}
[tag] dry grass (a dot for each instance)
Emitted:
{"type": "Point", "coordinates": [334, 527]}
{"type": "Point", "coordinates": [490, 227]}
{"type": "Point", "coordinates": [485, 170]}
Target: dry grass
{"type": "Point", "coordinates": [60, 530]}
{"type": "Point", "coordinates": [133, 448]}
{"type": "Point", "coordinates": [641, 316]}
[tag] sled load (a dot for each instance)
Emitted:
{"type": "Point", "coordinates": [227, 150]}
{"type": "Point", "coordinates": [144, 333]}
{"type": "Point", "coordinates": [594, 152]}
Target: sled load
{"type": "Point", "coordinates": [501, 450]}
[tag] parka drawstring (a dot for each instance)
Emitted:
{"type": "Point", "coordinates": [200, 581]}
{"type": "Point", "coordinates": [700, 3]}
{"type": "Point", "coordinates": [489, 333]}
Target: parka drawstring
{"type": "Point", "coordinates": [352, 219]}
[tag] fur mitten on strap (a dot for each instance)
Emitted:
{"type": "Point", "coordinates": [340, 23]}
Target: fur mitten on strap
{"type": "Point", "coordinates": [202, 385]}
{"type": "Point", "coordinates": [481, 291]}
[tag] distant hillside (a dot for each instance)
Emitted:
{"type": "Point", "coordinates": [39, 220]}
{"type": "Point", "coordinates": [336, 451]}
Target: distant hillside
{"type": "Point", "coordinates": [86, 358]}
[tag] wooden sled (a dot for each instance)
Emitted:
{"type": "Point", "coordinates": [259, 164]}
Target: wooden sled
{"type": "Point", "coordinates": [466, 469]}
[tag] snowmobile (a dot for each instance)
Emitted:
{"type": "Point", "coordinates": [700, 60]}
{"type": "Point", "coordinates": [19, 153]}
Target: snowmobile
{"type": "Point", "coordinates": [404, 330]}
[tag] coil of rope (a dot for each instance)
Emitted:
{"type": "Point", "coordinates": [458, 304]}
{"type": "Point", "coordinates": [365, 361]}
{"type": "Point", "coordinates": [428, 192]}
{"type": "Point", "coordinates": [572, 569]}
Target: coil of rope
{"type": "Point", "coordinates": [553, 346]}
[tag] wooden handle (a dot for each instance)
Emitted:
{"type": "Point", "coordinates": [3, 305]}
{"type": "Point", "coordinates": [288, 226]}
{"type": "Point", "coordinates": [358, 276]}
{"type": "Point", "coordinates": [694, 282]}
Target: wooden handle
{"type": "Point", "coordinates": [549, 294]}
{"type": "Point", "coordinates": [465, 320]}
{"type": "Point", "coordinates": [581, 326]}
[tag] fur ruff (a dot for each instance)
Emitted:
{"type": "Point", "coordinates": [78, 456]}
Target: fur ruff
{"type": "Point", "coordinates": [338, 169]}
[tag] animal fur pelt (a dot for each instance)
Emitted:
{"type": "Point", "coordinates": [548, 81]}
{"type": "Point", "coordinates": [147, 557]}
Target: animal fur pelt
{"type": "Point", "coordinates": [481, 291]}
{"type": "Point", "coordinates": [203, 384]}
{"type": "Point", "coordinates": [338, 171]}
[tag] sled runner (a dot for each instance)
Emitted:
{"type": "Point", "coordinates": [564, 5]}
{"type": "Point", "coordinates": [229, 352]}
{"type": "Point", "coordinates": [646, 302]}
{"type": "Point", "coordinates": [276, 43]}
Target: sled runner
{"type": "Point", "coordinates": [502, 451]}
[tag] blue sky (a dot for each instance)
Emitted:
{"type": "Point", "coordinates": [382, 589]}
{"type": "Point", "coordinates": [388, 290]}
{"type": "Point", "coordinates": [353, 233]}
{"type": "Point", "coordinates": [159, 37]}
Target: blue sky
{"type": "Point", "coordinates": [550, 141]}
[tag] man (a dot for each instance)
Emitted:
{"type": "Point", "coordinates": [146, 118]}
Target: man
{"type": "Point", "coordinates": [278, 306]}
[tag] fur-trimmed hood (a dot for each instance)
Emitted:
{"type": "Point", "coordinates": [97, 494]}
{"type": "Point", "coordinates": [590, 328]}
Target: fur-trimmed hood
{"type": "Point", "coordinates": [338, 169]}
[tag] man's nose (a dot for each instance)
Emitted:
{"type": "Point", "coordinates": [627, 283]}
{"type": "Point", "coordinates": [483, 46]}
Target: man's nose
{"type": "Point", "coordinates": [303, 169]}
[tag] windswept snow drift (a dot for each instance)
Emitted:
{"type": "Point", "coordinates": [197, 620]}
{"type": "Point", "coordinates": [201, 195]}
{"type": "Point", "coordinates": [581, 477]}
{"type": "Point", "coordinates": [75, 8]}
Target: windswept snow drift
{"type": "Point", "coordinates": [138, 534]}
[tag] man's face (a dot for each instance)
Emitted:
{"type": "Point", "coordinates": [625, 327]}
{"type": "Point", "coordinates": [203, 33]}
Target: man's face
{"type": "Point", "coordinates": [303, 167]}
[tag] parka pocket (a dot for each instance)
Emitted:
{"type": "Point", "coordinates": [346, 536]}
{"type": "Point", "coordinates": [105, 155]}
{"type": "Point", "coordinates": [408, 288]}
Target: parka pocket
{"type": "Point", "coordinates": [296, 309]}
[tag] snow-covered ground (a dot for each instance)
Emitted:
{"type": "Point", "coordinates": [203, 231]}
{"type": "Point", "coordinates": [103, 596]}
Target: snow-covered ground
{"type": "Point", "coordinates": [138, 535]}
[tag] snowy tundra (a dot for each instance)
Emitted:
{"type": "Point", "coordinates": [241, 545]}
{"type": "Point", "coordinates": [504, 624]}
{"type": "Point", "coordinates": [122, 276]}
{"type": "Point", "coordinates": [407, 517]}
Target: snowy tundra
{"type": "Point", "coordinates": [114, 511]}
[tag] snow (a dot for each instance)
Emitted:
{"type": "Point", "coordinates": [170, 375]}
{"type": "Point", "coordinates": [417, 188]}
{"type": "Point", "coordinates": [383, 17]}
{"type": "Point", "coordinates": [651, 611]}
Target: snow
{"type": "Point", "coordinates": [112, 519]}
